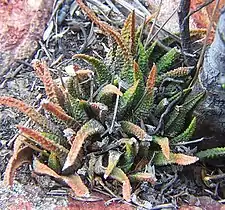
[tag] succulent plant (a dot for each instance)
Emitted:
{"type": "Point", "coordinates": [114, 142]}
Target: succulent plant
{"type": "Point", "coordinates": [112, 121]}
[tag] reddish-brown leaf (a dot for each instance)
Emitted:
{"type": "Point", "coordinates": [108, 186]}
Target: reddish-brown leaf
{"type": "Point", "coordinates": [57, 111]}
{"type": "Point", "coordinates": [151, 79]}
{"type": "Point", "coordinates": [120, 176]}
{"type": "Point", "coordinates": [107, 29]}
{"type": "Point", "coordinates": [43, 141]}
{"type": "Point", "coordinates": [52, 90]}
{"type": "Point", "coordinates": [145, 177]}
{"type": "Point", "coordinates": [182, 159]}
{"type": "Point", "coordinates": [26, 109]}
{"type": "Point", "coordinates": [73, 181]}
{"type": "Point", "coordinates": [88, 129]}
{"type": "Point", "coordinates": [23, 155]}
{"type": "Point", "coordinates": [164, 144]}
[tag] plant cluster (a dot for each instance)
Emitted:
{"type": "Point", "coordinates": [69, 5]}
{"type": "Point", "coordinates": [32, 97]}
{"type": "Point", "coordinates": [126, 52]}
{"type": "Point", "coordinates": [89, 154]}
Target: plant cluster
{"type": "Point", "coordinates": [114, 123]}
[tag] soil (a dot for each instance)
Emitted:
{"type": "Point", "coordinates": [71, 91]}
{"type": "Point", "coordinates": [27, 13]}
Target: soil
{"type": "Point", "coordinates": [174, 188]}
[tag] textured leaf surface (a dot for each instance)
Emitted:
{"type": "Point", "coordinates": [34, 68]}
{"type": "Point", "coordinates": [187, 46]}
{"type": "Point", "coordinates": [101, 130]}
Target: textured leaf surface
{"type": "Point", "coordinates": [175, 73]}
{"type": "Point", "coordinates": [163, 142]}
{"type": "Point", "coordinates": [138, 76]}
{"type": "Point", "coordinates": [77, 109]}
{"type": "Point", "coordinates": [73, 181]}
{"type": "Point", "coordinates": [187, 134]}
{"type": "Point", "coordinates": [146, 103]}
{"type": "Point", "coordinates": [135, 130]}
{"type": "Point", "coordinates": [131, 150]}
{"type": "Point", "coordinates": [211, 153]}
{"type": "Point", "coordinates": [127, 72]}
{"type": "Point", "coordinates": [180, 159]}
{"type": "Point", "coordinates": [150, 84]}
{"type": "Point", "coordinates": [23, 155]}
{"type": "Point", "coordinates": [57, 111]}
{"type": "Point", "coordinates": [127, 99]}
{"type": "Point", "coordinates": [26, 109]}
{"type": "Point", "coordinates": [177, 119]}
{"type": "Point", "coordinates": [43, 141]}
{"type": "Point", "coordinates": [107, 29]}
{"type": "Point", "coordinates": [167, 60]}
{"type": "Point", "coordinates": [120, 176]}
{"type": "Point", "coordinates": [128, 32]}
{"type": "Point", "coordinates": [45, 75]}
{"type": "Point", "coordinates": [113, 159]}
{"type": "Point", "coordinates": [144, 57]}
{"type": "Point", "coordinates": [54, 163]}
{"type": "Point", "coordinates": [88, 129]}
{"type": "Point", "coordinates": [143, 177]}
{"type": "Point", "coordinates": [103, 74]}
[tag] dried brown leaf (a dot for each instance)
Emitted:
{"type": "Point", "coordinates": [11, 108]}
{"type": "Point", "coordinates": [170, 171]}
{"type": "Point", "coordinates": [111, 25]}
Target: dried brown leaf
{"type": "Point", "coordinates": [120, 176]}
{"type": "Point", "coordinates": [182, 159]}
{"type": "Point", "coordinates": [88, 129]}
{"type": "Point", "coordinates": [111, 89]}
{"type": "Point", "coordinates": [18, 144]}
{"type": "Point", "coordinates": [164, 144]}
{"type": "Point", "coordinates": [145, 177]}
{"type": "Point", "coordinates": [23, 155]}
{"type": "Point", "coordinates": [114, 157]}
{"type": "Point", "coordinates": [73, 181]}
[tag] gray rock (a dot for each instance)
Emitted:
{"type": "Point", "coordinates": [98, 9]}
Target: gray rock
{"type": "Point", "coordinates": [212, 110]}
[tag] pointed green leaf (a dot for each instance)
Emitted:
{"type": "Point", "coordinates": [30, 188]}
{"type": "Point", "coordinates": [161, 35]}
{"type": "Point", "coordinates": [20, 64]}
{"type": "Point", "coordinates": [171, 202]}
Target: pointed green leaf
{"type": "Point", "coordinates": [126, 101]}
{"type": "Point", "coordinates": [131, 150]}
{"type": "Point", "coordinates": [177, 117]}
{"type": "Point", "coordinates": [187, 134]}
{"type": "Point", "coordinates": [211, 153]}
{"type": "Point", "coordinates": [127, 72]}
{"type": "Point", "coordinates": [144, 57]}
{"type": "Point", "coordinates": [102, 72]}
{"type": "Point", "coordinates": [77, 109]}
{"type": "Point", "coordinates": [167, 60]}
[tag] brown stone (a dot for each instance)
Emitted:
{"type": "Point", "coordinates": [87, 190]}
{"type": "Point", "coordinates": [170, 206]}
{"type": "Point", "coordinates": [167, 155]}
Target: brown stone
{"type": "Point", "coordinates": [22, 24]}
